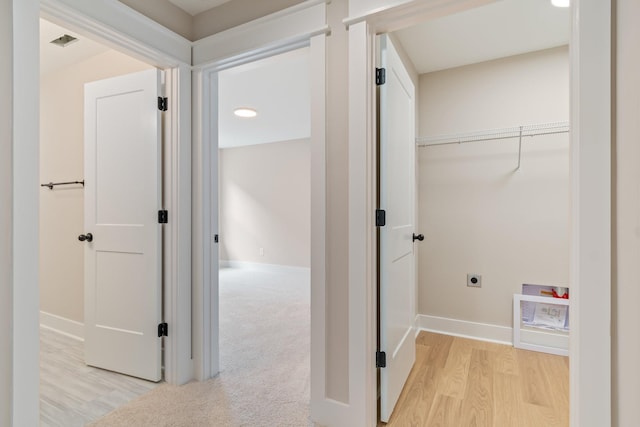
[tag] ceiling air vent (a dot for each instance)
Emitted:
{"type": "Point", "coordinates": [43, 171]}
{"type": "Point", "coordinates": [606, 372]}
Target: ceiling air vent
{"type": "Point", "coordinates": [64, 41]}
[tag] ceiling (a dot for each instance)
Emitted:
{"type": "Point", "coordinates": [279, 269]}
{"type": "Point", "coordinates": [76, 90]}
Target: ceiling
{"type": "Point", "coordinates": [497, 30]}
{"type": "Point", "coordinates": [278, 87]}
{"type": "Point", "coordinates": [194, 7]}
{"type": "Point", "coordinates": [54, 57]}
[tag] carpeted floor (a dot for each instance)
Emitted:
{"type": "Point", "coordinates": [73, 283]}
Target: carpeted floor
{"type": "Point", "coordinates": [264, 358]}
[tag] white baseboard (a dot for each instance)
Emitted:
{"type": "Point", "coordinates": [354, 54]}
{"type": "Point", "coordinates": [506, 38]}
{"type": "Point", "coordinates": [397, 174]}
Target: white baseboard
{"type": "Point", "coordinates": [273, 268]}
{"type": "Point", "coordinates": [545, 341]}
{"type": "Point", "coordinates": [538, 340]}
{"type": "Point", "coordinates": [62, 325]}
{"type": "Point", "coordinates": [465, 329]}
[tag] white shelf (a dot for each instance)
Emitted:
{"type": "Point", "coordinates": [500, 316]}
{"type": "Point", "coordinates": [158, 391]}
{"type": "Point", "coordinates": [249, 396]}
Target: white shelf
{"type": "Point", "coordinates": [536, 338]}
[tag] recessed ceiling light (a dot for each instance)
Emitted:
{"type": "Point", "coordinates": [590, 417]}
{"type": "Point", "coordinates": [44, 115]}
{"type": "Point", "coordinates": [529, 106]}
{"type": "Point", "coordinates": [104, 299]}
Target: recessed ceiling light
{"type": "Point", "coordinates": [245, 112]}
{"type": "Point", "coordinates": [64, 40]}
{"type": "Point", "coordinates": [560, 3]}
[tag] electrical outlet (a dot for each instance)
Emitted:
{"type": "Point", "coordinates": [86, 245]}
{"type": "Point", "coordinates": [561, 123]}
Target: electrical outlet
{"type": "Point", "coordinates": [474, 280]}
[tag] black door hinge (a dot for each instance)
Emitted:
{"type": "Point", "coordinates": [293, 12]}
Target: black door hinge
{"type": "Point", "coordinates": [381, 76]}
{"type": "Point", "coordinates": [381, 218]}
{"type": "Point", "coordinates": [163, 330]}
{"type": "Point", "coordinates": [381, 359]}
{"type": "Point", "coordinates": [163, 104]}
{"type": "Point", "coordinates": [215, 238]}
{"type": "Point", "coordinates": [163, 217]}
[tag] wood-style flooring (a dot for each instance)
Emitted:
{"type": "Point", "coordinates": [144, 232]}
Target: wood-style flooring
{"type": "Point", "coordinates": [458, 382]}
{"type": "Point", "coordinates": [73, 394]}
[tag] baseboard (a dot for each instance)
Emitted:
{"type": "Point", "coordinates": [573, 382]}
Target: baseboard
{"type": "Point", "coordinates": [273, 268]}
{"type": "Point", "coordinates": [545, 341]}
{"type": "Point", "coordinates": [62, 325]}
{"type": "Point", "coordinates": [465, 329]}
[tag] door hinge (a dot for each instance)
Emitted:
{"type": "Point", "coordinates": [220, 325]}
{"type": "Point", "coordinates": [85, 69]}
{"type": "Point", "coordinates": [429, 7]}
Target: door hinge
{"type": "Point", "coordinates": [163, 104]}
{"type": "Point", "coordinates": [215, 238]}
{"type": "Point", "coordinates": [381, 76]}
{"type": "Point", "coordinates": [163, 217]}
{"type": "Point", "coordinates": [163, 330]}
{"type": "Point", "coordinates": [381, 218]}
{"type": "Point", "coordinates": [381, 359]}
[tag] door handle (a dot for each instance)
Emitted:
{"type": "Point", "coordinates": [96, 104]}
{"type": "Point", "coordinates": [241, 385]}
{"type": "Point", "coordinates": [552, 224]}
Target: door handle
{"type": "Point", "coordinates": [419, 237]}
{"type": "Point", "coordinates": [88, 237]}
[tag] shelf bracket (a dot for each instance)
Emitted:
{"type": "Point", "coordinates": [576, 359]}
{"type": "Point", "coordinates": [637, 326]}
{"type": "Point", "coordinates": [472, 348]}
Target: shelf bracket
{"type": "Point", "coordinates": [519, 148]}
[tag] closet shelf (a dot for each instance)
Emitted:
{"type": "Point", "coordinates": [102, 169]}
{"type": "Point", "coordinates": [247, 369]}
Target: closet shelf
{"type": "Point", "coordinates": [494, 134]}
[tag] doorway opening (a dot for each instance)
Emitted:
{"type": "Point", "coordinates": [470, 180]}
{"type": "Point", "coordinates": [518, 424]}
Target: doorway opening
{"type": "Point", "coordinates": [494, 212]}
{"type": "Point", "coordinates": [72, 392]}
{"type": "Point", "coordinates": [264, 237]}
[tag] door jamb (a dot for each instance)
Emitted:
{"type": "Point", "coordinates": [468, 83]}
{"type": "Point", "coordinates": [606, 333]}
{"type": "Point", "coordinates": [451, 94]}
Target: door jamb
{"type": "Point", "coordinates": [206, 96]}
{"type": "Point", "coordinates": [205, 182]}
{"type": "Point", "coordinates": [176, 179]}
{"type": "Point", "coordinates": [590, 60]}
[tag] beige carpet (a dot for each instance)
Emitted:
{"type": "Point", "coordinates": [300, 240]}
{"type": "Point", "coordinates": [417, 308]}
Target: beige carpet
{"type": "Point", "coordinates": [264, 351]}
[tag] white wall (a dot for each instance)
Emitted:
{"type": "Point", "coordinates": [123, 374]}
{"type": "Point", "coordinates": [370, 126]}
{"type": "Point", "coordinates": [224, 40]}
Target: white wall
{"type": "Point", "coordinates": [24, 258]}
{"type": "Point", "coordinates": [337, 205]}
{"type": "Point", "coordinates": [265, 203]}
{"type": "Point", "coordinates": [478, 214]}
{"type": "Point", "coordinates": [6, 207]}
{"type": "Point", "coordinates": [626, 216]}
{"type": "Point", "coordinates": [61, 159]}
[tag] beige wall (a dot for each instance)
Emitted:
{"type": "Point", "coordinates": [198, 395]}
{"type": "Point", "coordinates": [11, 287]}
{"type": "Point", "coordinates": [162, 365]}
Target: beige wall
{"type": "Point", "coordinates": [234, 13]}
{"type": "Point", "coordinates": [165, 13]}
{"type": "Point", "coordinates": [265, 203]}
{"type": "Point", "coordinates": [477, 213]}
{"type": "Point", "coordinates": [61, 159]}
{"type": "Point", "coordinates": [626, 216]}
{"type": "Point", "coordinates": [220, 18]}
{"type": "Point", "coordinates": [6, 208]}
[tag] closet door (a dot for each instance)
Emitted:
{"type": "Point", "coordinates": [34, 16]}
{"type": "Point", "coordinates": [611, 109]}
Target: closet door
{"type": "Point", "coordinates": [122, 198]}
{"type": "Point", "coordinates": [396, 247]}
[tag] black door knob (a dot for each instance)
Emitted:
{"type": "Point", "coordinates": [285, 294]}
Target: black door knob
{"type": "Point", "coordinates": [419, 237]}
{"type": "Point", "coordinates": [88, 237]}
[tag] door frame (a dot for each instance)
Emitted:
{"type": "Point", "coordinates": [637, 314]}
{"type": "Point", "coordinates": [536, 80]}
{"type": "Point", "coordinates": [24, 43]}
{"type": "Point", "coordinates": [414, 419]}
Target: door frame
{"type": "Point", "coordinates": [97, 23]}
{"type": "Point", "coordinates": [121, 28]}
{"type": "Point", "coordinates": [590, 264]}
{"type": "Point", "coordinates": [303, 25]}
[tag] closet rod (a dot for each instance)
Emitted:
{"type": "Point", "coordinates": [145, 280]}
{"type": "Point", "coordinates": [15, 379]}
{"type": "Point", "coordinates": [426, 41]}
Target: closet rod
{"type": "Point", "coordinates": [495, 134]}
{"type": "Point", "coordinates": [54, 184]}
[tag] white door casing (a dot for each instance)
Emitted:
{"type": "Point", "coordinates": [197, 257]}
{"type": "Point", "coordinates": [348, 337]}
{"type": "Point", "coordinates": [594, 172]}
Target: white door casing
{"type": "Point", "coordinates": [122, 197]}
{"type": "Point", "coordinates": [397, 199]}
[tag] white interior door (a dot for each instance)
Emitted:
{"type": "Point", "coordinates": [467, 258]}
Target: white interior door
{"type": "Point", "coordinates": [122, 198]}
{"type": "Point", "coordinates": [397, 199]}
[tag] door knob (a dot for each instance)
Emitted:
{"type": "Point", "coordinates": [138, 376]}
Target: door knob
{"type": "Point", "coordinates": [88, 237]}
{"type": "Point", "coordinates": [419, 237]}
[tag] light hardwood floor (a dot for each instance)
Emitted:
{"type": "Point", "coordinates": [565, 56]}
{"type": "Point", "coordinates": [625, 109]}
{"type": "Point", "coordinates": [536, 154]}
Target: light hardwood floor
{"type": "Point", "coordinates": [458, 382]}
{"type": "Point", "coordinates": [73, 394]}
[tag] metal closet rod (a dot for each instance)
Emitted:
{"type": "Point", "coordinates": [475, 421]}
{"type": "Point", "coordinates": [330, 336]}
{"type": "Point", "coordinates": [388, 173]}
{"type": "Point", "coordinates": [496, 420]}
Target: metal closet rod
{"type": "Point", "coordinates": [54, 184]}
{"type": "Point", "coordinates": [494, 134]}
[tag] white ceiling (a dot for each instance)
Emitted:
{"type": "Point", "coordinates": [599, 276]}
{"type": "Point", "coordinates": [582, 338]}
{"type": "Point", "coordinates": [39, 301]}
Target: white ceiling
{"type": "Point", "coordinates": [194, 7]}
{"type": "Point", "coordinates": [54, 57]}
{"type": "Point", "coordinates": [497, 30]}
{"type": "Point", "coordinates": [278, 88]}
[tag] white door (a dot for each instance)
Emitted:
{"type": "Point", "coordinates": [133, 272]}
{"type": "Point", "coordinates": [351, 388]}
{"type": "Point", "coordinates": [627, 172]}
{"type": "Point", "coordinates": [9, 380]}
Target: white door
{"type": "Point", "coordinates": [122, 199]}
{"type": "Point", "coordinates": [396, 247]}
